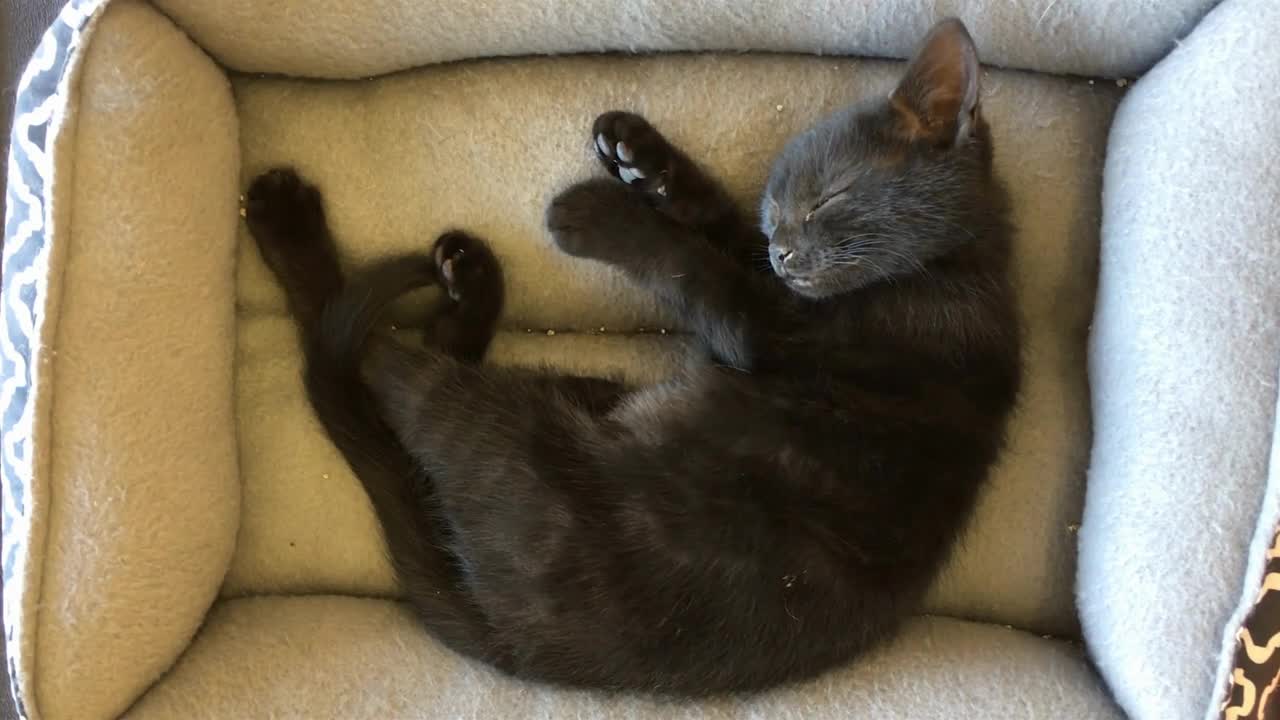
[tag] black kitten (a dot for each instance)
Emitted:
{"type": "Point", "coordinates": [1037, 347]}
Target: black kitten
{"type": "Point", "coordinates": [753, 521]}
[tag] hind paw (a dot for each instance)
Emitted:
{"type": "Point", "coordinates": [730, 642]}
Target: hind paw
{"type": "Point", "coordinates": [465, 267]}
{"type": "Point", "coordinates": [281, 206]}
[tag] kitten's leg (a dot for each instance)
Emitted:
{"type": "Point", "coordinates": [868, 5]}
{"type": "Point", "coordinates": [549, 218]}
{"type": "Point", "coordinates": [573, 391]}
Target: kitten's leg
{"type": "Point", "coordinates": [286, 218]}
{"type": "Point", "coordinates": [464, 326]}
{"type": "Point", "coordinates": [287, 221]}
{"type": "Point", "coordinates": [603, 220]}
{"type": "Point", "coordinates": [633, 151]}
{"type": "Point", "coordinates": [472, 280]}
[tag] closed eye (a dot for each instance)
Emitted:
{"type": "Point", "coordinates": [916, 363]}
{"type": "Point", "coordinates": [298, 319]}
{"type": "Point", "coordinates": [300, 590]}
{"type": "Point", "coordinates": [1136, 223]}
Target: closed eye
{"type": "Point", "coordinates": [826, 199]}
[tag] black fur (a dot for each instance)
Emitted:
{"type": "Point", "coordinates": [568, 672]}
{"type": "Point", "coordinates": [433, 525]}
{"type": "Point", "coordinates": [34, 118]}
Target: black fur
{"type": "Point", "coordinates": [753, 521]}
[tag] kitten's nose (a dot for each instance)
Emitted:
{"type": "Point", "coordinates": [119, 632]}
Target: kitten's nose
{"type": "Point", "coordinates": [783, 255]}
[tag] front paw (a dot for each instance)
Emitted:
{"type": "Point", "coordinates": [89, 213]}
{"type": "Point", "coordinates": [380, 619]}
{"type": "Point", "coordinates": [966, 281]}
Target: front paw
{"type": "Point", "coordinates": [589, 218]}
{"type": "Point", "coordinates": [282, 208]}
{"type": "Point", "coordinates": [633, 151]}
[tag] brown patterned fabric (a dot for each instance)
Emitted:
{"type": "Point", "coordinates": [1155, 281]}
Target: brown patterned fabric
{"type": "Point", "coordinates": [1255, 679]}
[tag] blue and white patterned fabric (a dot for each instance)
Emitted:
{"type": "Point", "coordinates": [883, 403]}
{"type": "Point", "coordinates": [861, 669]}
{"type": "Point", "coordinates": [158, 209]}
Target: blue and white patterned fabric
{"type": "Point", "coordinates": [40, 103]}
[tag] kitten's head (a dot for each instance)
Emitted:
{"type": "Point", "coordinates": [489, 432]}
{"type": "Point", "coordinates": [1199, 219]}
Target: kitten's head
{"type": "Point", "coordinates": [880, 189]}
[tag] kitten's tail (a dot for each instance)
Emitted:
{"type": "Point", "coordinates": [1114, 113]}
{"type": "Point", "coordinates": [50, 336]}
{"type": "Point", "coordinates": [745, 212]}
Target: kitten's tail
{"type": "Point", "coordinates": [348, 319]}
{"type": "Point", "coordinates": [398, 488]}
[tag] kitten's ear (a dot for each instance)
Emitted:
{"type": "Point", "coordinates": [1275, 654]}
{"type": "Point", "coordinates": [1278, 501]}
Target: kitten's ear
{"type": "Point", "coordinates": [937, 100]}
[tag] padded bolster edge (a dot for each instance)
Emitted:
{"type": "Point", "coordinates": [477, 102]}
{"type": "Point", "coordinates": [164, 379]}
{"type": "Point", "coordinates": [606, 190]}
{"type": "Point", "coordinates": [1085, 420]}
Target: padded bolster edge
{"type": "Point", "coordinates": [344, 657]}
{"type": "Point", "coordinates": [133, 499]}
{"type": "Point", "coordinates": [43, 129]}
{"type": "Point", "coordinates": [356, 38]}
{"type": "Point", "coordinates": [1184, 363]}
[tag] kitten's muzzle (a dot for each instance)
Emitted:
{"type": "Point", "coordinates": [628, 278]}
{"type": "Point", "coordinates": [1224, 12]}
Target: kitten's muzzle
{"type": "Point", "coordinates": [791, 265]}
{"type": "Point", "coordinates": [784, 260]}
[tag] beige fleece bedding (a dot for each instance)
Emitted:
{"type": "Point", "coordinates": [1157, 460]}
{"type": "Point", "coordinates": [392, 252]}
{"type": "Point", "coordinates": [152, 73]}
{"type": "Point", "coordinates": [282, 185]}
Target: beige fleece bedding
{"type": "Point", "coordinates": [265, 657]}
{"type": "Point", "coordinates": [1184, 488]}
{"type": "Point", "coordinates": [484, 145]}
{"type": "Point", "coordinates": [144, 479]}
{"type": "Point", "coordinates": [331, 39]}
{"type": "Point", "coordinates": [136, 520]}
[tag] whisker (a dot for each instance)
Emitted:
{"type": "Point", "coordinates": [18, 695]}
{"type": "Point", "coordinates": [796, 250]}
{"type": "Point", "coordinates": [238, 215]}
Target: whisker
{"type": "Point", "coordinates": [880, 271]}
{"type": "Point", "coordinates": [853, 239]}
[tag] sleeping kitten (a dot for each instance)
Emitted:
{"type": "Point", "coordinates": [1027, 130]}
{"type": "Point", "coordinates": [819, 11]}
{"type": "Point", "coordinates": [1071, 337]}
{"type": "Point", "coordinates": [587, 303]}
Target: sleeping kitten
{"type": "Point", "coordinates": [756, 520]}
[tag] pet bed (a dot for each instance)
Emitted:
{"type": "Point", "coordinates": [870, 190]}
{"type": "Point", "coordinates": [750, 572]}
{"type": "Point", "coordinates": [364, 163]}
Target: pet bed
{"type": "Point", "coordinates": [181, 541]}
